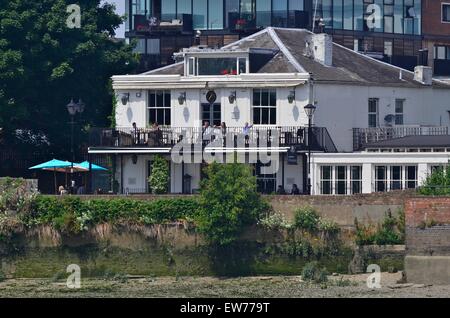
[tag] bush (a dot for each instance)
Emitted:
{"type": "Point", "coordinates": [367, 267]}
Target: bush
{"type": "Point", "coordinates": [159, 177]}
{"type": "Point", "coordinates": [313, 273]}
{"type": "Point", "coordinates": [228, 202]}
{"type": "Point", "coordinates": [438, 183]}
{"type": "Point", "coordinates": [390, 232]}
{"type": "Point", "coordinates": [73, 215]}
{"type": "Point", "coordinates": [2, 276]}
{"type": "Point", "coordinates": [307, 219]}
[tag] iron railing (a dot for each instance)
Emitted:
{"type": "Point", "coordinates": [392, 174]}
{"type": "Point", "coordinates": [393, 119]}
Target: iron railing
{"type": "Point", "coordinates": [363, 136]}
{"type": "Point", "coordinates": [231, 137]}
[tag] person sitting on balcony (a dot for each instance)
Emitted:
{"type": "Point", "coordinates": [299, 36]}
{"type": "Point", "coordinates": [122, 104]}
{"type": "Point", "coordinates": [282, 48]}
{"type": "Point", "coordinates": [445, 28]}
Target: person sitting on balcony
{"type": "Point", "coordinates": [295, 190]}
{"type": "Point", "coordinates": [281, 191]}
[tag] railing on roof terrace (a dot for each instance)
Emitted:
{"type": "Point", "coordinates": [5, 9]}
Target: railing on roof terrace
{"type": "Point", "coordinates": [257, 136]}
{"type": "Point", "coordinates": [363, 136]}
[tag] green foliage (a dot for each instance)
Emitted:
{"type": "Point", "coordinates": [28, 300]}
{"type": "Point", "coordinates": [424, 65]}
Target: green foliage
{"type": "Point", "coordinates": [312, 272]}
{"type": "Point", "coordinates": [275, 221]}
{"type": "Point", "coordinates": [307, 219]}
{"type": "Point", "coordinates": [73, 215]}
{"type": "Point", "coordinates": [390, 232]}
{"type": "Point", "coordinates": [43, 64]}
{"type": "Point", "coordinates": [228, 202]}
{"type": "Point", "coordinates": [2, 276]}
{"type": "Point", "coordinates": [15, 197]}
{"type": "Point", "coordinates": [438, 183]}
{"type": "Point", "coordinates": [159, 178]}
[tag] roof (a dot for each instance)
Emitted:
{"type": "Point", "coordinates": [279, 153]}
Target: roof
{"type": "Point", "coordinates": [349, 67]}
{"type": "Point", "coordinates": [442, 141]}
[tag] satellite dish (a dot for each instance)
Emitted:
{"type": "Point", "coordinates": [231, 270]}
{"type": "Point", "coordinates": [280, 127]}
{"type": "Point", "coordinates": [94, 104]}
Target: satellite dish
{"type": "Point", "coordinates": [389, 120]}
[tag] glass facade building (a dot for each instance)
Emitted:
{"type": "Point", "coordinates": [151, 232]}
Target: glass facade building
{"type": "Point", "coordinates": [390, 30]}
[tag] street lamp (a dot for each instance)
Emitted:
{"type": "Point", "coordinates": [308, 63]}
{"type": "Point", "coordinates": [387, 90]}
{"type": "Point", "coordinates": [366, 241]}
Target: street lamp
{"type": "Point", "coordinates": [309, 110]}
{"type": "Point", "coordinates": [73, 109]}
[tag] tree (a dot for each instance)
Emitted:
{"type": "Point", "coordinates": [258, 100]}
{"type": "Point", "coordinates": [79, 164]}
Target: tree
{"type": "Point", "coordinates": [44, 63]}
{"type": "Point", "coordinates": [159, 177]}
{"type": "Point", "coordinates": [228, 202]}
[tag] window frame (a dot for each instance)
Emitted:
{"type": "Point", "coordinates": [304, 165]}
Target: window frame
{"type": "Point", "coordinates": [401, 114]}
{"type": "Point", "coordinates": [262, 107]}
{"type": "Point", "coordinates": [443, 5]}
{"type": "Point", "coordinates": [376, 113]}
{"type": "Point", "coordinates": [163, 107]}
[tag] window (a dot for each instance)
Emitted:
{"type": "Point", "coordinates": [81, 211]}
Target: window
{"type": "Point", "coordinates": [337, 14]}
{"type": "Point", "coordinates": [279, 13]}
{"type": "Point", "coordinates": [168, 10]}
{"type": "Point", "coordinates": [326, 179]}
{"type": "Point", "coordinates": [159, 108]}
{"type": "Point", "coordinates": [348, 15]}
{"type": "Point", "coordinates": [356, 179]}
{"type": "Point", "coordinates": [263, 13]}
{"type": "Point", "coordinates": [341, 180]}
{"type": "Point", "coordinates": [411, 177]}
{"type": "Point", "coordinates": [399, 111]}
{"type": "Point", "coordinates": [396, 178]}
{"type": "Point", "coordinates": [441, 52]}
{"type": "Point", "coordinates": [264, 107]}
{"type": "Point", "coordinates": [218, 66]}
{"type": "Point", "coordinates": [388, 48]}
{"type": "Point", "coordinates": [266, 183]}
{"type": "Point", "coordinates": [445, 12]}
{"type": "Point", "coordinates": [381, 179]}
{"type": "Point", "coordinates": [373, 112]}
{"type": "Point", "coordinates": [200, 10]}
{"type": "Point", "coordinates": [183, 7]}
{"type": "Point", "coordinates": [231, 12]}
{"type": "Point", "coordinates": [215, 17]}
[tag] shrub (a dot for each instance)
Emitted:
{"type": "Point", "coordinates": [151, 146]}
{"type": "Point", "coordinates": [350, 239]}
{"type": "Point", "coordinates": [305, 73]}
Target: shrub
{"type": "Point", "coordinates": [228, 202]}
{"type": "Point", "coordinates": [307, 219]}
{"type": "Point", "coordinates": [275, 221]}
{"type": "Point", "coordinates": [438, 183]}
{"type": "Point", "coordinates": [73, 215]}
{"type": "Point", "coordinates": [159, 177]}
{"type": "Point", "coordinates": [2, 276]}
{"type": "Point", "coordinates": [313, 273]}
{"type": "Point", "coordinates": [390, 232]}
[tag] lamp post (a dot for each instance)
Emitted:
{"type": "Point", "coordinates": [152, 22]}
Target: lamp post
{"type": "Point", "coordinates": [309, 110]}
{"type": "Point", "coordinates": [73, 109]}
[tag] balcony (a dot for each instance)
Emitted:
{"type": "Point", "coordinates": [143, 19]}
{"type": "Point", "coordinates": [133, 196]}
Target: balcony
{"type": "Point", "coordinates": [167, 137]}
{"type": "Point", "coordinates": [364, 136]}
{"type": "Point", "coordinates": [145, 25]}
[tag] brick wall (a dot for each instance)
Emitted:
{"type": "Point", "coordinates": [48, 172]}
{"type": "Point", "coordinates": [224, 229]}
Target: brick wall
{"type": "Point", "coordinates": [432, 17]}
{"type": "Point", "coordinates": [434, 239]}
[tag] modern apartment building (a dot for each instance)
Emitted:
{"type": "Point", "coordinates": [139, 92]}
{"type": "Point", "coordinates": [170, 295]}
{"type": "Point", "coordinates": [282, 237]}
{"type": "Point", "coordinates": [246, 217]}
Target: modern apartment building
{"type": "Point", "coordinates": [389, 30]}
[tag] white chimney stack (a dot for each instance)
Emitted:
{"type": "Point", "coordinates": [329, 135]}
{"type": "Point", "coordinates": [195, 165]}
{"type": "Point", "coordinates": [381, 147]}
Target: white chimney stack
{"type": "Point", "coordinates": [323, 48]}
{"type": "Point", "coordinates": [423, 74]}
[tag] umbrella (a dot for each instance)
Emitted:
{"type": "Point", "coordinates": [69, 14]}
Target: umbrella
{"type": "Point", "coordinates": [54, 165]}
{"type": "Point", "coordinates": [85, 165]}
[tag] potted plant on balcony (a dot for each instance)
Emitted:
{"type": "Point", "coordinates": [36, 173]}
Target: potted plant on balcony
{"type": "Point", "coordinates": [240, 24]}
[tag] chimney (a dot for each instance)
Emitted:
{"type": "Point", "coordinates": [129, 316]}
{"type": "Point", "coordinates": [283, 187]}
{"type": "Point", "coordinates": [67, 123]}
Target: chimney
{"type": "Point", "coordinates": [323, 48]}
{"type": "Point", "coordinates": [423, 74]}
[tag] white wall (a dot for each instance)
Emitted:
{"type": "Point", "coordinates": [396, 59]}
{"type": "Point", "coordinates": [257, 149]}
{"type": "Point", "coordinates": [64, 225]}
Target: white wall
{"type": "Point", "coordinates": [134, 112]}
{"type": "Point", "coordinates": [341, 108]}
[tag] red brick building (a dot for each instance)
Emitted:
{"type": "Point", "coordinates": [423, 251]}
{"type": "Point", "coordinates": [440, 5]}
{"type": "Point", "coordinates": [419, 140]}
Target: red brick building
{"type": "Point", "coordinates": [436, 34]}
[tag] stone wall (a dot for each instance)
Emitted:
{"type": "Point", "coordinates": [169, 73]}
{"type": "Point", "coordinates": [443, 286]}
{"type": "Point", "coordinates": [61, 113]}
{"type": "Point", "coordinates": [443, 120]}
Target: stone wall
{"type": "Point", "coordinates": [428, 240]}
{"type": "Point", "coordinates": [367, 208]}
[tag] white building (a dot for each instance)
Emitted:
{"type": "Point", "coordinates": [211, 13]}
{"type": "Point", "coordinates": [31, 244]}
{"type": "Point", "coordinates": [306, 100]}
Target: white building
{"type": "Point", "coordinates": [266, 80]}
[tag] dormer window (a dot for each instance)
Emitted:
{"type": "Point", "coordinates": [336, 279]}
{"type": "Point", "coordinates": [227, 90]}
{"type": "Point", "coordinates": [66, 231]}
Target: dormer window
{"type": "Point", "coordinates": [212, 66]}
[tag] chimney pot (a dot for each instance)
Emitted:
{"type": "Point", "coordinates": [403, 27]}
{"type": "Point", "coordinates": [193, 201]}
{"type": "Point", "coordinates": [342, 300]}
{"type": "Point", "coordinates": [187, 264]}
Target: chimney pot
{"type": "Point", "coordinates": [423, 74]}
{"type": "Point", "coordinates": [323, 48]}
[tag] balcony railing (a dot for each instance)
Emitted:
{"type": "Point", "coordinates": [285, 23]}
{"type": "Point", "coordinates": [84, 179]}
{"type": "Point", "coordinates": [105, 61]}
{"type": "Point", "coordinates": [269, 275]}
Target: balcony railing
{"type": "Point", "coordinates": [233, 137]}
{"type": "Point", "coordinates": [363, 136]}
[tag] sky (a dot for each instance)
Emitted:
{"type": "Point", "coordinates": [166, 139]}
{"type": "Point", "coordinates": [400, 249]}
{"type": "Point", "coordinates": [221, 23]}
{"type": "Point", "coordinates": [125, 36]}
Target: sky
{"type": "Point", "coordinates": [120, 9]}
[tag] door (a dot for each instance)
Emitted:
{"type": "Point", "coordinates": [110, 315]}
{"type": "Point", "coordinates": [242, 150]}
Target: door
{"type": "Point", "coordinates": [211, 113]}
